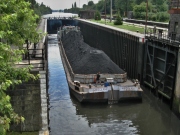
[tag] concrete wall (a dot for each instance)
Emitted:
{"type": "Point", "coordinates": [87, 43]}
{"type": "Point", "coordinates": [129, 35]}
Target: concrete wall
{"type": "Point", "coordinates": [176, 101]}
{"type": "Point", "coordinates": [30, 101]}
{"type": "Point", "coordinates": [53, 25]}
{"type": "Point", "coordinates": [26, 101]}
{"type": "Point", "coordinates": [125, 48]}
{"type": "Point", "coordinates": [174, 18]}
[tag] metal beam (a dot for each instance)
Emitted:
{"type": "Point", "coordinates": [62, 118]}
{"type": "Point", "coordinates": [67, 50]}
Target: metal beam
{"type": "Point", "coordinates": [162, 79]}
{"type": "Point", "coordinates": [151, 65]}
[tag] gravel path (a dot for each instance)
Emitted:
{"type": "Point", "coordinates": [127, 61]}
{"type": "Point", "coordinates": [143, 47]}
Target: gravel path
{"type": "Point", "coordinates": [85, 59]}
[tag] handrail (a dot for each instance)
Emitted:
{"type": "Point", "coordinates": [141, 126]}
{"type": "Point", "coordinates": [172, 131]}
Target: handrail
{"type": "Point", "coordinates": [31, 56]}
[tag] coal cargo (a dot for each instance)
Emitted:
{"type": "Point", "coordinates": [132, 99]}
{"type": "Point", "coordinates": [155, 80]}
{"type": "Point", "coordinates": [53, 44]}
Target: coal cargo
{"type": "Point", "coordinates": [85, 59]}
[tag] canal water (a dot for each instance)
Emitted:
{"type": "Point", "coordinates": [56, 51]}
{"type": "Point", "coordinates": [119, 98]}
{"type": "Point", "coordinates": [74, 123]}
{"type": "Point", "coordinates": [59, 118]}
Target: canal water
{"type": "Point", "coordinates": [69, 117]}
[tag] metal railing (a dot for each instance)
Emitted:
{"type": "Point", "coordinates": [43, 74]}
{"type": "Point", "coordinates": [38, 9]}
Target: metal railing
{"type": "Point", "coordinates": [162, 35]}
{"type": "Point", "coordinates": [34, 57]}
{"type": "Point", "coordinates": [174, 4]}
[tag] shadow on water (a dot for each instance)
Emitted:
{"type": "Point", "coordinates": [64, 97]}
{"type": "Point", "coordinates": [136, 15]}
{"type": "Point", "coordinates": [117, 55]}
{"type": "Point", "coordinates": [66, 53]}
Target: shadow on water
{"type": "Point", "coordinates": [69, 117]}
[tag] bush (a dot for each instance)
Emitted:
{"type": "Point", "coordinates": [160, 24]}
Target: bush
{"type": "Point", "coordinates": [162, 16]}
{"type": "Point", "coordinates": [97, 16]}
{"type": "Point", "coordinates": [152, 16]}
{"type": "Point", "coordinates": [118, 20]}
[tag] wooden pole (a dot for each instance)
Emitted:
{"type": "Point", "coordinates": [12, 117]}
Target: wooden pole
{"type": "Point", "coordinates": [146, 16]}
{"type": "Point", "coordinates": [105, 11]}
{"type": "Point", "coordinates": [111, 12]}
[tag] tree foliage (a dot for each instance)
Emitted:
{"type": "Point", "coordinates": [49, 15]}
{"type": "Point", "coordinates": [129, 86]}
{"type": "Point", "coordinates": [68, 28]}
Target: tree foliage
{"type": "Point", "coordinates": [156, 8]}
{"type": "Point", "coordinates": [72, 10]}
{"type": "Point", "coordinates": [118, 20]}
{"type": "Point", "coordinates": [140, 11]}
{"type": "Point", "coordinates": [17, 24]}
{"type": "Point", "coordinates": [100, 6]}
{"type": "Point", "coordinates": [90, 3]}
{"type": "Point", "coordinates": [39, 9]}
{"type": "Point", "coordinates": [97, 16]}
{"type": "Point", "coordinates": [75, 5]}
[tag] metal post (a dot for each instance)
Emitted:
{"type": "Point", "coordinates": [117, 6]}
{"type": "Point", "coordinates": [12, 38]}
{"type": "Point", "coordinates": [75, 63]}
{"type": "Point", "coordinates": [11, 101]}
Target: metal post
{"type": "Point", "coordinates": [29, 58]}
{"type": "Point", "coordinates": [43, 58]}
{"type": "Point", "coordinates": [111, 12]}
{"type": "Point", "coordinates": [105, 11]}
{"type": "Point", "coordinates": [126, 8]}
{"type": "Point", "coordinates": [146, 16]}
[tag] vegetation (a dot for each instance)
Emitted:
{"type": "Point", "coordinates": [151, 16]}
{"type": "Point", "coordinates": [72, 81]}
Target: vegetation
{"type": "Point", "coordinates": [97, 16]}
{"type": "Point", "coordinates": [22, 133]}
{"type": "Point", "coordinates": [155, 12]}
{"type": "Point", "coordinates": [125, 26]}
{"type": "Point", "coordinates": [118, 20]}
{"type": "Point", "coordinates": [74, 9]}
{"type": "Point", "coordinates": [39, 9]}
{"type": "Point", "coordinates": [17, 26]}
{"type": "Point", "coordinates": [157, 9]}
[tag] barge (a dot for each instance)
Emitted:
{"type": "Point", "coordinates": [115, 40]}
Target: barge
{"type": "Point", "coordinates": [111, 89]}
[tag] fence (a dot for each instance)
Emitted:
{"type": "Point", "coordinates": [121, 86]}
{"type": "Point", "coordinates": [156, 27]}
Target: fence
{"type": "Point", "coordinates": [34, 57]}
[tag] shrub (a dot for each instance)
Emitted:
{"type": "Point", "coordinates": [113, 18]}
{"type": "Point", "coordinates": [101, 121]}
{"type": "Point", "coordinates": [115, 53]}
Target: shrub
{"type": "Point", "coordinates": [118, 20]}
{"type": "Point", "coordinates": [163, 16]}
{"type": "Point", "coordinates": [97, 16]}
{"type": "Point", "coordinates": [152, 16]}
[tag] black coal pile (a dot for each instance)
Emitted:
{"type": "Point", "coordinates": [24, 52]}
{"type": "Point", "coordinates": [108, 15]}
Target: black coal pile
{"type": "Point", "coordinates": [85, 59]}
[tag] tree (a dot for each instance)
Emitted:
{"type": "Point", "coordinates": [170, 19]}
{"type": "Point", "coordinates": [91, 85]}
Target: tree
{"type": "Point", "coordinates": [100, 6]}
{"type": "Point", "coordinates": [124, 5]}
{"type": "Point", "coordinates": [157, 2]}
{"type": "Point", "coordinates": [139, 11]}
{"type": "Point", "coordinates": [97, 16]}
{"type": "Point", "coordinates": [17, 24]}
{"type": "Point", "coordinates": [39, 9]}
{"type": "Point", "coordinates": [90, 3]}
{"type": "Point", "coordinates": [84, 6]}
{"type": "Point", "coordinates": [118, 20]}
{"type": "Point", "coordinates": [139, 1]}
{"type": "Point", "coordinates": [74, 4]}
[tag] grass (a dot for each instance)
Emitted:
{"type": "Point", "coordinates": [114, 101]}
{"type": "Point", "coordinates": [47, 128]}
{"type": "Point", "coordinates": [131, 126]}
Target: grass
{"type": "Point", "coordinates": [125, 26]}
{"type": "Point", "coordinates": [23, 133]}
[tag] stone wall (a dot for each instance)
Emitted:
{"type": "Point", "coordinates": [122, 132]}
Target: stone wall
{"type": "Point", "coordinates": [174, 18]}
{"type": "Point", "coordinates": [176, 100]}
{"type": "Point", "coordinates": [26, 102]}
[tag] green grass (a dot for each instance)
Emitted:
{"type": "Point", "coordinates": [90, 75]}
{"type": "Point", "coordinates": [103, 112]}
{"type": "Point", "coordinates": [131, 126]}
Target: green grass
{"type": "Point", "coordinates": [23, 133]}
{"type": "Point", "coordinates": [125, 26]}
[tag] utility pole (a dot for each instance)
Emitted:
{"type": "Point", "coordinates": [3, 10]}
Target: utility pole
{"type": "Point", "coordinates": [105, 11]}
{"type": "Point", "coordinates": [126, 8]}
{"type": "Point", "coordinates": [146, 16]}
{"type": "Point", "coordinates": [111, 11]}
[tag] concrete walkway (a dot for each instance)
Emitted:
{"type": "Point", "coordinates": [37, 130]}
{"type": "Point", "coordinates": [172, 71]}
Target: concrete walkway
{"type": "Point", "coordinates": [43, 82]}
{"type": "Point", "coordinates": [36, 56]}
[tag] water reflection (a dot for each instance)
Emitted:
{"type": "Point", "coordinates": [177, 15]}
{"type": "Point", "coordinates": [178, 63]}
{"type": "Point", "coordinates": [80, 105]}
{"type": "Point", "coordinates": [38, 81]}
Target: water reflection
{"type": "Point", "coordinates": [106, 118]}
{"type": "Point", "coordinates": [151, 117]}
{"type": "Point", "coordinates": [69, 117]}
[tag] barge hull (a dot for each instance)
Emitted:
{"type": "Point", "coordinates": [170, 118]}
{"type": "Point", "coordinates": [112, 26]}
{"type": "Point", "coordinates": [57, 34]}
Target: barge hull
{"type": "Point", "coordinates": [90, 97]}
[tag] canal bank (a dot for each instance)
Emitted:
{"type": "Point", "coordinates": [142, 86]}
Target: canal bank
{"type": "Point", "coordinates": [68, 116]}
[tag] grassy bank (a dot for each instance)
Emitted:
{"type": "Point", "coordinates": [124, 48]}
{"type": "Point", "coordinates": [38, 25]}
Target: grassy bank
{"type": "Point", "coordinates": [23, 133]}
{"type": "Point", "coordinates": [125, 26]}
